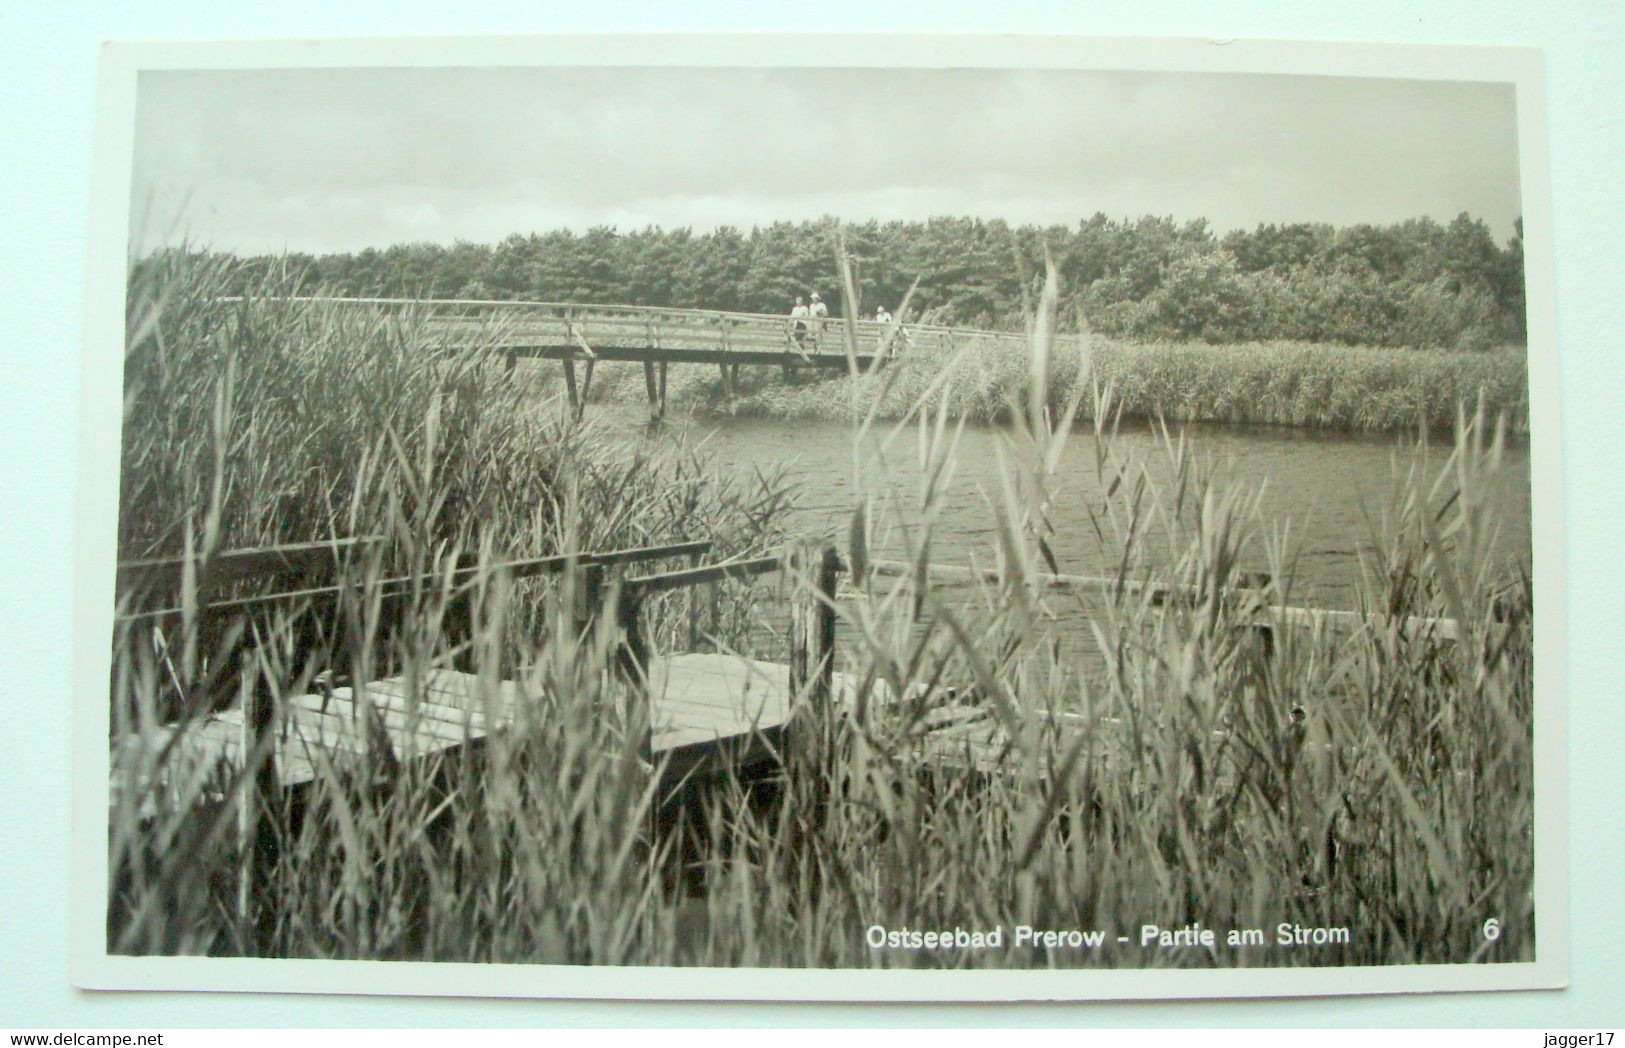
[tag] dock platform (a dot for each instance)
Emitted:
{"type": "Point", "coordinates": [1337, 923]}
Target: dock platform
{"type": "Point", "coordinates": [703, 705]}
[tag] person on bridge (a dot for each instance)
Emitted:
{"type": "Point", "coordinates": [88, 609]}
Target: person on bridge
{"type": "Point", "coordinates": [820, 313]}
{"type": "Point", "coordinates": [798, 318]}
{"type": "Point", "coordinates": [892, 341]}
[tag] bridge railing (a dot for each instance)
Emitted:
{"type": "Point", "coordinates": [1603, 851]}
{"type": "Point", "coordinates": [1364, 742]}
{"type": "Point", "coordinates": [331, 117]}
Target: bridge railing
{"type": "Point", "coordinates": [811, 571]}
{"type": "Point", "coordinates": [584, 325]}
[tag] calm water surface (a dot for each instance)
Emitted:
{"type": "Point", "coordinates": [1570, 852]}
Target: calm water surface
{"type": "Point", "coordinates": [1330, 488]}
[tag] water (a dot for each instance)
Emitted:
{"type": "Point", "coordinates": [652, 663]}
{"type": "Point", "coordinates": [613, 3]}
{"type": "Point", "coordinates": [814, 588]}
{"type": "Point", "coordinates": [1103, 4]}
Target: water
{"type": "Point", "coordinates": [1328, 490]}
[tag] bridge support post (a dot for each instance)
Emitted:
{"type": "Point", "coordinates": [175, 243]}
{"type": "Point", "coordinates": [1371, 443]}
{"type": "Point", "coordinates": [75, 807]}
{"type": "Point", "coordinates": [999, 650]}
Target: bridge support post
{"type": "Point", "coordinates": [571, 392]}
{"type": "Point", "coordinates": [812, 623]}
{"type": "Point", "coordinates": [654, 384]}
{"type": "Point", "coordinates": [631, 656]}
{"type": "Point", "coordinates": [649, 386]}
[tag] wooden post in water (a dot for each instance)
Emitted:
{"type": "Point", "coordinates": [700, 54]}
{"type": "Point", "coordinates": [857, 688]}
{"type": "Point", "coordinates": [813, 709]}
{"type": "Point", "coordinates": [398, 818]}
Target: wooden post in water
{"type": "Point", "coordinates": [649, 388]}
{"type": "Point", "coordinates": [812, 623]}
{"type": "Point", "coordinates": [632, 655]}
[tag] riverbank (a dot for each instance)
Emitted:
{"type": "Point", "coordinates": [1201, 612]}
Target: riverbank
{"type": "Point", "coordinates": [1276, 383]}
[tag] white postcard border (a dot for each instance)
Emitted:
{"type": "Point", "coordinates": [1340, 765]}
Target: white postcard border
{"type": "Point", "coordinates": [101, 397]}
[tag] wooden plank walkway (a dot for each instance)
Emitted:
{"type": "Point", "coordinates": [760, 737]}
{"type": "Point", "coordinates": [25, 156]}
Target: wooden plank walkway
{"type": "Point", "coordinates": [702, 706]}
{"type": "Point", "coordinates": [659, 336]}
{"type": "Point", "coordinates": [705, 709]}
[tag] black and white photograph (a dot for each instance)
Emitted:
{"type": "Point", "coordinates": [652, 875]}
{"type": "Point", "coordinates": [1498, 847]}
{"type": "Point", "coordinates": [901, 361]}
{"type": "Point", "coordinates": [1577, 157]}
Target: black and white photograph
{"type": "Point", "coordinates": [974, 523]}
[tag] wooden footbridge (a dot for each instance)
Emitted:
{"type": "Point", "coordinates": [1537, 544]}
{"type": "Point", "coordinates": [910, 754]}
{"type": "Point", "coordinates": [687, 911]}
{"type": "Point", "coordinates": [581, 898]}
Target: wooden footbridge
{"type": "Point", "coordinates": [656, 336]}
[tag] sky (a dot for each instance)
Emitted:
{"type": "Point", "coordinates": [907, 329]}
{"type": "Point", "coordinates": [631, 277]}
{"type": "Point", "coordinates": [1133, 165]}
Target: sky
{"type": "Point", "coordinates": [320, 160]}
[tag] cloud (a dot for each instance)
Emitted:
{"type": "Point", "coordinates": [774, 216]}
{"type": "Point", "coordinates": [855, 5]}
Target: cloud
{"type": "Point", "coordinates": [322, 160]}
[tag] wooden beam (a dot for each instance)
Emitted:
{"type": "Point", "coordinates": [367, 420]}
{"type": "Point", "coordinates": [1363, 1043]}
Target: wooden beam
{"type": "Point", "coordinates": [647, 585]}
{"type": "Point", "coordinates": [1253, 585]}
{"type": "Point", "coordinates": [575, 334]}
{"type": "Point", "coordinates": [694, 609]}
{"type": "Point", "coordinates": [688, 355]}
{"type": "Point", "coordinates": [395, 586]}
{"type": "Point", "coordinates": [228, 566]}
{"type": "Point", "coordinates": [585, 598]}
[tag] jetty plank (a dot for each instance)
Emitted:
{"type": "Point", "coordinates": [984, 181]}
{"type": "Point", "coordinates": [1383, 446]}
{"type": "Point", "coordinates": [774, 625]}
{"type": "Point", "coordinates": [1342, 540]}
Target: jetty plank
{"type": "Point", "coordinates": [698, 702]}
{"type": "Point", "coordinates": [725, 695]}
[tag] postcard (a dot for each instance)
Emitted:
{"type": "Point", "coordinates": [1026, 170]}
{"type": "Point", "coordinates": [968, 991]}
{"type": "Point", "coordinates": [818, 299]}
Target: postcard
{"type": "Point", "coordinates": [820, 518]}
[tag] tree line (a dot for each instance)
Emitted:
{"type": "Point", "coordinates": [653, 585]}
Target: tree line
{"type": "Point", "coordinates": [1418, 283]}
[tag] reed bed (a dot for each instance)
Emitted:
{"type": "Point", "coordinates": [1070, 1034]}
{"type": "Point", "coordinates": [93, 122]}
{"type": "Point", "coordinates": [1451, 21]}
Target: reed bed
{"type": "Point", "coordinates": [265, 418]}
{"type": "Point", "coordinates": [1379, 781]}
{"type": "Point", "coordinates": [1314, 385]}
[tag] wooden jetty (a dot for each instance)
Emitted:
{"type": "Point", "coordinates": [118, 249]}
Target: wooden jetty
{"type": "Point", "coordinates": [703, 707]}
{"type": "Point", "coordinates": [700, 705]}
{"type": "Point", "coordinates": [658, 336]}
{"type": "Point", "coordinates": [706, 710]}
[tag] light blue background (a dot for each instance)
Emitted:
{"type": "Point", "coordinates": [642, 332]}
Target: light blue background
{"type": "Point", "coordinates": [49, 76]}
